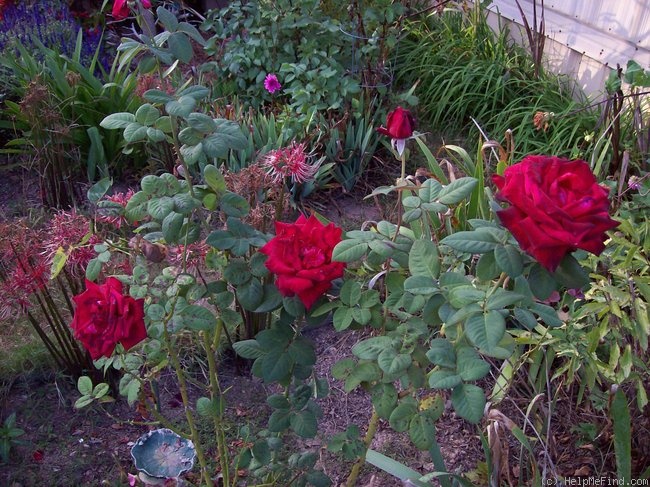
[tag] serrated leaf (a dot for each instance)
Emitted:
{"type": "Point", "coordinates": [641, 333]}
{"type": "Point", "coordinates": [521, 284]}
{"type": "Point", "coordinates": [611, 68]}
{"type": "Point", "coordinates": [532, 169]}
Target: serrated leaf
{"type": "Point", "coordinates": [350, 293]}
{"type": "Point", "coordinates": [444, 379]}
{"type": "Point", "coordinates": [424, 259]}
{"type": "Point", "coordinates": [384, 399]}
{"type": "Point", "coordinates": [171, 227]}
{"type": "Point", "coordinates": [401, 416]}
{"type": "Point", "coordinates": [159, 208]}
{"type": "Point", "coordinates": [477, 241]}
{"type": "Point", "coordinates": [393, 363]}
{"type": "Point", "coordinates": [85, 385]}
{"type": "Point", "coordinates": [147, 114]}
{"type": "Point", "coordinates": [422, 431]}
{"type": "Point", "coordinates": [370, 348]}
{"type": "Point", "coordinates": [248, 349]}
{"type": "Point", "coordinates": [469, 365]}
{"type": "Point", "coordinates": [117, 120]}
{"type": "Point", "coordinates": [469, 402]}
{"type": "Point", "coordinates": [276, 366]}
{"type": "Point", "coordinates": [441, 352]}
{"type": "Point", "coordinates": [486, 330]}
{"type": "Point", "coordinates": [197, 317]}
{"type": "Point", "coordinates": [304, 424]}
{"type": "Point", "coordinates": [509, 260]}
{"type": "Point", "coordinates": [349, 250]}
{"type": "Point", "coordinates": [457, 191]}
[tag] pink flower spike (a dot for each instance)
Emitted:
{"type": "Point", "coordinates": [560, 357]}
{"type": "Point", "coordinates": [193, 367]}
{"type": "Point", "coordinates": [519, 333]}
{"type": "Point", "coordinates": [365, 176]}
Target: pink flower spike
{"type": "Point", "coordinates": [271, 83]}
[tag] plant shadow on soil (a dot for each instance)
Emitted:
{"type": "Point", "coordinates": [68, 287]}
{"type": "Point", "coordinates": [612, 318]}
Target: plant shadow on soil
{"type": "Point", "coordinates": [63, 446]}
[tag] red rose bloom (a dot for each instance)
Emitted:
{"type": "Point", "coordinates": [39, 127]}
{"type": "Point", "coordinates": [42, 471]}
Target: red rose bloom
{"type": "Point", "coordinates": [300, 255]}
{"type": "Point", "coordinates": [399, 124]}
{"type": "Point", "coordinates": [121, 8]}
{"type": "Point", "coordinates": [105, 317]}
{"type": "Point", "coordinates": [556, 207]}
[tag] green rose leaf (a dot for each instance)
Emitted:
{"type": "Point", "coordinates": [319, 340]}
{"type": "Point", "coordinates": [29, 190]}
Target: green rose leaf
{"type": "Point", "coordinates": [441, 352]}
{"type": "Point", "coordinates": [384, 399]}
{"type": "Point", "coordinates": [470, 366]}
{"type": "Point", "coordinates": [198, 318]}
{"type": "Point", "coordinates": [424, 259]}
{"type": "Point", "coordinates": [117, 120]}
{"type": "Point", "coordinates": [349, 250]}
{"type": "Point", "coordinates": [457, 191]}
{"type": "Point", "coordinates": [422, 431]}
{"type": "Point", "coordinates": [444, 379]}
{"type": "Point", "coordinates": [147, 114]}
{"type": "Point", "coordinates": [248, 349]}
{"type": "Point", "coordinates": [370, 348]}
{"type": "Point", "coordinates": [486, 330]}
{"type": "Point", "coordinates": [400, 418]}
{"type": "Point", "coordinates": [477, 241]}
{"type": "Point", "coordinates": [393, 363]}
{"type": "Point", "coordinates": [508, 258]}
{"type": "Point", "coordinates": [180, 46]}
{"type": "Point", "coordinates": [469, 402]}
{"type": "Point", "coordinates": [304, 423]}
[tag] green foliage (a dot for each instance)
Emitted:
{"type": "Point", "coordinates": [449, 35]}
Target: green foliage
{"type": "Point", "coordinates": [468, 72]}
{"type": "Point", "coordinates": [294, 40]}
{"type": "Point", "coordinates": [9, 435]}
{"type": "Point", "coordinates": [62, 105]}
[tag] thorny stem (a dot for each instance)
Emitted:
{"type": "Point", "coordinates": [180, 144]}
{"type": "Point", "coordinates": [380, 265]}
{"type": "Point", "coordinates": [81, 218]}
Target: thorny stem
{"type": "Point", "coordinates": [370, 434]}
{"type": "Point", "coordinates": [215, 391]}
{"type": "Point", "coordinates": [182, 384]}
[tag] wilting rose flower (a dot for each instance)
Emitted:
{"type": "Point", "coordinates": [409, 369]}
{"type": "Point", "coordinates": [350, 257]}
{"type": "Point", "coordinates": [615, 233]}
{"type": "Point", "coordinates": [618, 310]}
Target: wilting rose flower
{"type": "Point", "coordinates": [556, 207]}
{"type": "Point", "coordinates": [300, 255]}
{"type": "Point", "coordinates": [121, 8]}
{"type": "Point", "coordinates": [105, 317]}
{"type": "Point", "coordinates": [271, 83]}
{"type": "Point", "coordinates": [399, 127]}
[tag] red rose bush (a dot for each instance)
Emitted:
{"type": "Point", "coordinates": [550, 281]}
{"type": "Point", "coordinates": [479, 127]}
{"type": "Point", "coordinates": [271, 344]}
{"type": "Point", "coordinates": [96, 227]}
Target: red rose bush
{"type": "Point", "coordinates": [105, 317]}
{"type": "Point", "coordinates": [556, 207]}
{"type": "Point", "coordinates": [300, 255]}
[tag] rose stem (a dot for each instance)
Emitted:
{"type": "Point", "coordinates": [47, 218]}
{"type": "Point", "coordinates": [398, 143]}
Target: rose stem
{"type": "Point", "coordinates": [215, 390]}
{"type": "Point", "coordinates": [188, 414]}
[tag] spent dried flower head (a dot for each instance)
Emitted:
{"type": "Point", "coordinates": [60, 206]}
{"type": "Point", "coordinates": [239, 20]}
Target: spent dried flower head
{"type": "Point", "coordinates": [541, 120]}
{"type": "Point", "coordinates": [195, 254]}
{"type": "Point", "coordinates": [290, 162]}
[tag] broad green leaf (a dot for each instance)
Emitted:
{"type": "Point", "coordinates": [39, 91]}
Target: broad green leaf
{"type": "Point", "coordinates": [424, 259]}
{"type": "Point", "coordinates": [181, 107]}
{"type": "Point", "coordinates": [469, 402]}
{"type": "Point", "coordinates": [201, 122]}
{"type": "Point", "coordinates": [401, 416]}
{"type": "Point", "coordinates": [541, 282]}
{"type": "Point", "coordinates": [304, 424]}
{"type": "Point", "coordinates": [342, 318]}
{"type": "Point", "coordinates": [370, 348]}
{"type": "Point", "coordinates": [198, 318]}
{"type": "Point", "coordinates": [470, 366]}
{"type": "Point", "coordinates": [117, 120]}
{"type": "Point", "coordinates": [502, 298]}
{"type": "Point", "coordinates": [393, 363]}
{"type": "Point", "coordinates": [159, 208]}
{"type": "Point", "coordinates": [349, 250]}
{"type": "Point", "coordinates": [181, 47]}
{"type": "Point", "coordinates": [167, 19]}
{"type": "Point", "coordinates": [99, 189]}
{"type": "Point", "coordinates": [509, 260]}
{"type": "Point", "coordinates": [547, 314]}
{"type": "Point", "coordinates": [171, 227]}
{"type": "Point", "coordinates": [134, 132]}
{"type": "Point", "coordinates": [441, 352]}
{"type": "Point", "coordinates": [85, 385]}
{"type": "Point", "coordinates": [384, 399]}
{"type": "Point", "coordinates": [249, 349]}
{"type": "Point", "coordinates": [276, 366]}
{"type": "Point", "coordinates": [477, 241]}
{"type": "Point", "coordinates": [444, 379]}
{"type": "Point", "coordinates": [214, 178]}
{"type": "Point", "coordinates": [457, 191]}
{"type": "Point", "coordinates": [486, 330]}
{"type": "Point", "coordinates": [147, 114]}
{"type": "Point", "coordinates": [422, 431]}
{"type": "Point", "coordinates": [350, 293]}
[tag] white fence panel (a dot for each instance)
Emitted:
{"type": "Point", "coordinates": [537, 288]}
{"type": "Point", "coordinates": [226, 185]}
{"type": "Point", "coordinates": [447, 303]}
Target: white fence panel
{"type": "Point", "coordinates": [586, 39]}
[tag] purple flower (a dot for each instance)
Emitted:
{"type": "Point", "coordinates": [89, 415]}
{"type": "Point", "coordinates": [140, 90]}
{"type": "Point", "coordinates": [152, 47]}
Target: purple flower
{"type": "Point", "coordinates": [271, 83]}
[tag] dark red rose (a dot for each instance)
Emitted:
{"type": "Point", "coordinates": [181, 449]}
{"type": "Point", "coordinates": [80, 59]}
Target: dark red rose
{"type": "Point", "coordinates": [300, 255]}
{"type": "Point", "coordinates": [121, 8]}
{"type": "Point", "coordinates": [556, 207]}
{"type": "Point", "coordinates": [105, 317]}
{"type": "Point", "coordinates": [399, 124]}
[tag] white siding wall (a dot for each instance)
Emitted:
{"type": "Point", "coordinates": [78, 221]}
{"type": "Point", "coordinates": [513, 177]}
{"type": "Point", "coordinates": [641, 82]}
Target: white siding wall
{"type": "Point", "coordinates": [586, 38]}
